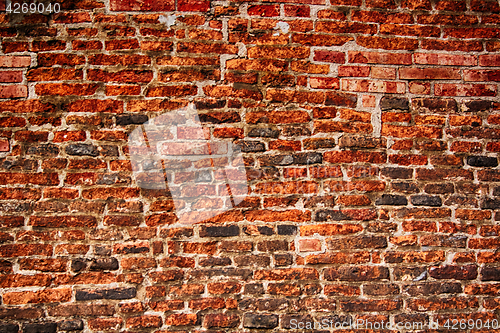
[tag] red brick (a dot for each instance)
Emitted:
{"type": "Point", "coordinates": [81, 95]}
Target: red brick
{"type": "Point", "coordinates": [361, 71]}
{"type": "Point", "coordinates": [43, 296]}
{"type": "Point", "coordinates": [434, 304]}
{"type": "Point", "coordinates": [345, 27]}
{"type": "Point", "coordinates": [309, 245]}
{"type": "Point", "coordinates": [383, 73]}
{"type": "Point", "coordinates": [277, 117]}
{"type": "Point", "coordinates": [429, 74]}
{"type": "Point", "coordinates": [270, 216]}
{"type": "Point", "coordinates": [354, 156]}
{"type": "Point", "coordinates": [423, 88]}
{"type": "Point", "coordinates": [444, 59]}
{"type": "Point", "coordinates": [65, 89]}
{"type": "Point", "coordinates": [448, 89]}
{"type": "Point", "coordinates": [489, 60]}
{"type": "Point", "coordinates": [4, 145]}
{"type": "Point", "coordinates": [380, 58]}
{"type": "Point", "coordinates": [148, 5]}
{"type": "Point", "coordinates": [324, 83]}
{"type": "Point", "coordinates": [485, 6]}
{"type": "Point", "coordinates": [417, 4]}
{"type": "Point", "coordinates": [11, 76]}
{"type": "Point", "coordinates": [193, 6]}
{"type": "Point", "coordinates": [95, 105]}
{"type": "Point", "coordinates": [441, 19]}
{"type": "Point", "coordinates": [381, 17]}
{"type": "Point", "coordinates": [278, 52]}
{"type": "Point", "coordinates": [330, 229]}
{"type": "Point", "coordinates": [123, 90]}
{"type": "Point", "coordinates": [126, 76]}
{"type": "Point", "coordinates": [105, 323]}
{"type": "Point", "coordinates": [12, 122]}
{"type": "Point", "coordinates": [15, 61]}
{"type": "Point", "coordinates": [206, 48]}
{"type": "Point", "coordinates": [408, 159]}
{"type": "Point", "coordinates": [297, 11]}
{"type": "Point", "coordinates": [264, 10]}
{"type": "Point", "coordinates": [451, 45]}
{"type": "Point", "coordinates": [287, 274]}
{"type": "Point", "coordinates": [467, 33]}
{"type": "Point", "coordinates": [451, 5]}
{"type": "Point", "coordinates": [181, 319]}
{"type": "Point", "coordinates": [375, 42]}
{"type": "Point", "coordinates": [13, 91]}
{"type": "Point", "coordinates": [390, 87]}
{"type": "Point", "coordinates": [11, 47]}
{"type": "Point", "coordinates": [105, 193]}
{"type": "Point", "coordinates": [307, 67]}
{"type": "Point", "coordinates": [414, 30]}
{"type": "Point", "coordinates": [146, 321]}
{"type": "Point", "coordinates": [329, 56]}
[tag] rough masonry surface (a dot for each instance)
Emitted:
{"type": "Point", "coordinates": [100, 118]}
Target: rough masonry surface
{"type": "Point", "coordinates": [370, 134]}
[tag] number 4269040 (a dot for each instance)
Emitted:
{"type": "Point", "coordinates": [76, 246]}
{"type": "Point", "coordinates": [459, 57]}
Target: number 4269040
{"type": "Point", "coordinates": [32, 8]}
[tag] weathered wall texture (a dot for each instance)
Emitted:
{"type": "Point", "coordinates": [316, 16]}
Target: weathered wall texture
{"type": "Point", "coordinates": [375, 121]}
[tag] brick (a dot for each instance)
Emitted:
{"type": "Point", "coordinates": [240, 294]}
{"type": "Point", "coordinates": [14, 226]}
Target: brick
{"type": "Point", "coordinates": [465, 90]}
{"type": "Point", "coordinates": [414, 30]}
{"type": "Point", "coordinates": [359, 71]}
{"type": "Point", "coordinates": [263, 10]}
{"type": "Point", "coordinates": [383, 73]}
{"type": "Point", "coordinates": [13, 91]}
{"type": "Point", "coordinates": [411, 132]}
{"type": "Point", "coordinates": [287, 274]}
{"type": "Point", "coordinates": [297, 11]}
{"type": "Point", "coordinates": [126, 76]}
{"type": "Point", "coordinates": [360, 273]}
{"type": "Point", "coordinates": [454, 272]}
{"type": "Point", "coordinates": [329, 56]}
{"type": "Point", "coordinates": [345, 27]}
{"type": "Point", "coordinates": [330, 229]}
{"type": "Point", "coordinates": [373, 86]}
{"type": "Point", "coordinates": [15, 61]}
{"type": "Point", "coordinates": [354, 156]}
{"type": "Point", "coordinates": [442, 304]}
{"type": "Point", "coordinates": [11, 76]}
{"type": "Point", "coordinates": [43, 296]}
{"type": "Point", "coordinates": [429, 74]}
{"type": "Point", "coordinates": [65, 89]}
{"type": "Point", "coordinates": [260, 321]}
{"type": "Point", "coordinates": [379, 58]}
{"type": "Point", "coordinates": [414, 257]}
{"type": "Point", "coordinates": [357, 242]}
{"type": "Point", "coordinates": [221, 320]}
{"type": "Point", "coordinates": [40, 327]}
{"type": "Point", "coordinates": [471, 32]}
{"type": "Point", "coordinates": [146, 321]}
{"type": "Point", "coordinates": [134, 5]}
{"type": "Point", "coordinates": [482, 161]}
{"type": "Point", "coordinates": [278, 52]}
{"type": "Point", "coordinates": [443, 19]}
{"type": "Point", "coordinates": [307, 67]}
{"type": "Point", "coordinates": [444, 59]}
{"type": "Point", "coordinates": [381, 17]}
{"type": "Point", "coordinates": [375, 42]}
{"type": "Point", "coordinates": [416, 4]}
{"type": "Point", "coordinates": [117, 293]}
{"type": "Point", "coordinates": [207, 48]}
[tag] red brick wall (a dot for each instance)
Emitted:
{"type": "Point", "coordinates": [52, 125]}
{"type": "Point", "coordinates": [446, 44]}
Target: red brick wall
{"type": "Point", "coordinates": [370, 134]}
